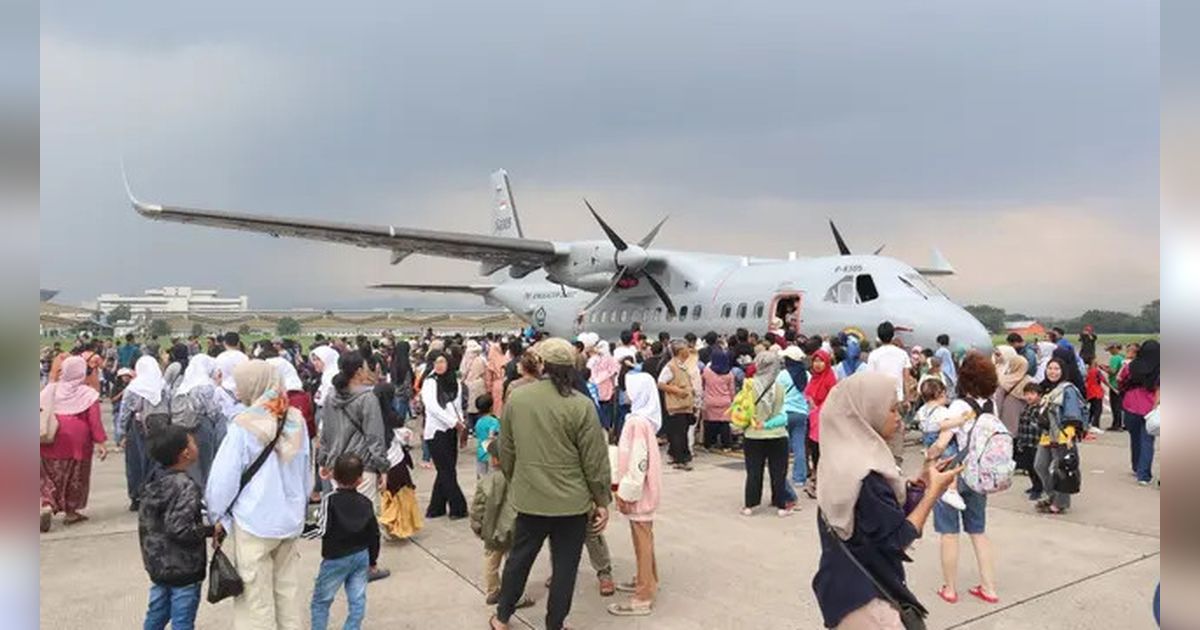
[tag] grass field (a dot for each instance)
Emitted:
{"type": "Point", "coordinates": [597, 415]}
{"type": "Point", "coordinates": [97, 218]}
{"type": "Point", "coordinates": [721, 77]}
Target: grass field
{"type": "Point", "coordinates": [1102, 341]}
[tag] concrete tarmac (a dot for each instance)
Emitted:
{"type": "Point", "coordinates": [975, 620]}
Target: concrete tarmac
{"type": "Point", "coordinates": [1095, 567]}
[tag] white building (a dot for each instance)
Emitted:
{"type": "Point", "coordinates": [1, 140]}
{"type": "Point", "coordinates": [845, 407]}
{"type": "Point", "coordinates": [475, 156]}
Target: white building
{"type": "Point", "coordinates": [174, 300]}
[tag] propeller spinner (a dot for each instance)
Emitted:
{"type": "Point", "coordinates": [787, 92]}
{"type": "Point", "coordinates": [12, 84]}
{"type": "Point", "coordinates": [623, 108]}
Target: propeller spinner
{"type": "Point", "coordinates": [630, 261]}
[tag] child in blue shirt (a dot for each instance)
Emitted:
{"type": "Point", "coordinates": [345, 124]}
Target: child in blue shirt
{"type": "Point", "coordinates": [487, 427]}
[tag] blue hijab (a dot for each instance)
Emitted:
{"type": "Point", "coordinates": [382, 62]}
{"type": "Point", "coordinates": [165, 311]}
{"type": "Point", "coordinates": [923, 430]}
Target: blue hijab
{"type": "Point", "coordinates": [853, 352]}
{"type": "Point", "coordinates": [719, 361]}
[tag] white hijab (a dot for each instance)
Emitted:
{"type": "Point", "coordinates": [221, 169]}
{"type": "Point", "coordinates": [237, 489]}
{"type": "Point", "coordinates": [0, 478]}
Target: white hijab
{"type": "Point", "coordinates": [199, 372]}
{"type": "Point", "coordinates": [643, 398]}
{"type": "Point", "coordinates": [227, 362]}
{"type": "Point", "coordinates": [329, 357]}
{"type": "Point", "coordinates": [287, 373]}
{"type": "Point", "coordinates": [149, 381]}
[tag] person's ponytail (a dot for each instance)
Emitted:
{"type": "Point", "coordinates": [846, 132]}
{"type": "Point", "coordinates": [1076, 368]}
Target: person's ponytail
{"type": "Point", "coordinates": [341, 381]}
{"type": "Point", "coordinates": [348, 365]}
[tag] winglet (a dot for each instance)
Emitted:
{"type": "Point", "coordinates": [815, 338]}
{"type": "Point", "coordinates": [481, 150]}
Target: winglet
{"type": "Point", "coordinates": [939, 266]}
{"type": "Point", "coordinates": [144, 209]}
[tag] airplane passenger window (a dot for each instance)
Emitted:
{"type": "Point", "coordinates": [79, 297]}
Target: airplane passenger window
{"type": "Point", "coordinates": [658, 314]}
{"type": "Point", "coordinates": [696, 312]}
{"type": "Point", "coordinates": [624, 315]}
{"type": "Point", "coordinates": [759, 309]}
{"type": "Point", "coordinates": [725, 311]}
{"type": "Point", "coordinates": [865, 286]}
{"type": "Point", "coordinates": [741, 312]}
{"type": "Point", "coordinates": [683, 311]}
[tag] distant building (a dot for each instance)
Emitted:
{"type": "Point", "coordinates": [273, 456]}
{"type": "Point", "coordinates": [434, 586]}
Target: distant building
{"type": "Point", "coordinates": [174, 301]}
{"type": "Point", "coordinates": [1025, 328]}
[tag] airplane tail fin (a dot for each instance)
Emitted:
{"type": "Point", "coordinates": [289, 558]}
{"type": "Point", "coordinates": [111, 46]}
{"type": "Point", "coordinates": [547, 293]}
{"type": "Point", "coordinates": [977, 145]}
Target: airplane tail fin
{"type": "Point", "coordinates": [504, 216]}
{"type": "Point", "coordinates": [939, 265]}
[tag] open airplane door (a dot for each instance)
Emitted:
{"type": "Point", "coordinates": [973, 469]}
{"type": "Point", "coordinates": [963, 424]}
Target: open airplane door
{"type": "Point", "coordinates": [787, 305]}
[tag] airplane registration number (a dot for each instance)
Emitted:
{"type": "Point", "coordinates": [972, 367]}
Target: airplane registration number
{"type": "Point", "coordinates": [847, 268]}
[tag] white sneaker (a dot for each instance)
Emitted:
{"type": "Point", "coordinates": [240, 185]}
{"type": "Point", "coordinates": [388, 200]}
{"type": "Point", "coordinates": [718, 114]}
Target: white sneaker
{"type": "Point", "coordinates": [954, 500]}
{"type": "Point", "coordinates": [1096, 430]}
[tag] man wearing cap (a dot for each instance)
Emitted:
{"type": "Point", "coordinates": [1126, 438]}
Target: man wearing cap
{"type": "Point", "coordinates": [553, 452]}
{"type": "Point", "coordinates": [1116, 359]}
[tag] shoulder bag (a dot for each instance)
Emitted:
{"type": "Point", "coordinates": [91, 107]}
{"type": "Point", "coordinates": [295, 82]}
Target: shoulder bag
{"type": "Point", "coordinates": [48, 421]}
{"type": "Point", "coordinates": [223, 578]}
{"type": "Point", "coordinates": [912, 616]}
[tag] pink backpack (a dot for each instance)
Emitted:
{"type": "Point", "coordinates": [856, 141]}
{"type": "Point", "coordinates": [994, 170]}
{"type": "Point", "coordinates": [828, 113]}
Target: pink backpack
{"type": "Point", "coordinates": [987, 453]}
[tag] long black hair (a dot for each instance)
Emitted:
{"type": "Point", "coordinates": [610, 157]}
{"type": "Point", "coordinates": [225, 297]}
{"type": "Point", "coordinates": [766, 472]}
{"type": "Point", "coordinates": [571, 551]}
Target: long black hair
{"type": "Point", "coordinates": [563, 377]}
{"type": "Point", "coordinates": [1144, 369]}
{"type": "Point", "coordinates": [179, 354]}
{"type": "Point", "coordinates": [401, 363]}
{"type": "Point", "coordinates": [349, 363]}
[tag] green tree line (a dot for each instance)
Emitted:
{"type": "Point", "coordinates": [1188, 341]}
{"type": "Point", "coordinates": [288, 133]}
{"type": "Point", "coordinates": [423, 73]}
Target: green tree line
{"type": "Point", "coordinates": [1104, 321]}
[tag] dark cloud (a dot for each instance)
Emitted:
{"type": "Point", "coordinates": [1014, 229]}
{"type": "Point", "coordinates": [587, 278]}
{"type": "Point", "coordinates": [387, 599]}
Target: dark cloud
{"type": "Point", "coordinates": [884, 114]}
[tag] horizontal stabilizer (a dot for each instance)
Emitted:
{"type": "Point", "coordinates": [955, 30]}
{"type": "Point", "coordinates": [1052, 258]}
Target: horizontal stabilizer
{"type": "Point", "coordinates": [938, 267]}
{"type": "Point", "coordinates": [471, 289]}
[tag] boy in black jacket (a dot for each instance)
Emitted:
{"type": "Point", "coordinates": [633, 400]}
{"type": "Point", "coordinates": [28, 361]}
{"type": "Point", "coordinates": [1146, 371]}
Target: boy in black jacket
{"type": "Point", "coordinates": [349, 545]}
{"type": "Point", "coordinates": [171, 531]}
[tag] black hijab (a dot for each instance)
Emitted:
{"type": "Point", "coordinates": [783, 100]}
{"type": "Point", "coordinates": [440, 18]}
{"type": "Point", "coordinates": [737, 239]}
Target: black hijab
{"type": "Point", "coordinates": [386, 393]}
{"type": "Point", "coordinates": [1070, 367]}
{"type": "Point", "coordinates": [401, 364]}
{"type": "Point", "coordinates": [1144, 369]}
{"type": "Point", "coordinates": [447, 382]}
{"type": "Point", "coordinates": [797, 372]}
{"type": "Point", "coordinates": [179, 354]}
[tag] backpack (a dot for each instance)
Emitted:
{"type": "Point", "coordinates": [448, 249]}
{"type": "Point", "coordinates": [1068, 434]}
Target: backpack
{"type": "Point", "coordinates": [741, 411]}
{"type": "Point", "coordinates": [156, 417]}
{"type": "Point", "coordinates": [988, 453]}
{"type": "Point", "coordinates": [183, 411]}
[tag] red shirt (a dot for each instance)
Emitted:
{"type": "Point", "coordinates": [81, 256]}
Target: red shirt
{"type": "Point", "coordinates": [1095, 383]}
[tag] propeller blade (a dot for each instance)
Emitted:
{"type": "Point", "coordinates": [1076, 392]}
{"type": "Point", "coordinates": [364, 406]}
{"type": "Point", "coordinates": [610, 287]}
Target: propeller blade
{"type": "Point", "coordinates": [603, 294]}
{"type": "Point", "coordinates": [837, 236]}
{"type": "Point", "coordinates": [649, 238]}
{"type": "Point", "coordinates": [662, 293]}
{"type": "Point", "coordinates": [880, 250]}
{"type": "Point", "coordinates": [617, 241]}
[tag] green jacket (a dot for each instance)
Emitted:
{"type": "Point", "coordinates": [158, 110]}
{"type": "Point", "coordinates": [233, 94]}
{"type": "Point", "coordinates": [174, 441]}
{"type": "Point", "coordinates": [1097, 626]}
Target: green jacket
{"type": "Point", "coordinates": [492, 513]}
{"type": "Point", "coordinates": [553, 452]}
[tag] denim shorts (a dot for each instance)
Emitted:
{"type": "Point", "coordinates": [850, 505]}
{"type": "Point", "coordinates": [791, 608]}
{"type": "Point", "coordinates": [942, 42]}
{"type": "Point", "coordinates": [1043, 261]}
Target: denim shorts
{"type": "Point", "coordinates": [974, 518]}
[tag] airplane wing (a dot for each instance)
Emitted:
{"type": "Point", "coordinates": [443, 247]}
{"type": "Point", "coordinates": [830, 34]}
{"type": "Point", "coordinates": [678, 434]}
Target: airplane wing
{"type": "Point", "coordinates": [939, 266]}
{"type": "Point", "coordinates": [523, 254]}
{"type": "Point", "coordinates": [471, 289]}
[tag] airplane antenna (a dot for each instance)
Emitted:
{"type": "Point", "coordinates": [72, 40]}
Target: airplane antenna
{"type": "Point", "coordinates": [837, 236]}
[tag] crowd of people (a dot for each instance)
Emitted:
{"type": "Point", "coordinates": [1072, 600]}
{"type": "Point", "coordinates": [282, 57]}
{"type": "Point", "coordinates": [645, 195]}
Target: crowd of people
{"type": "Point", "coordinates": [265, 443]}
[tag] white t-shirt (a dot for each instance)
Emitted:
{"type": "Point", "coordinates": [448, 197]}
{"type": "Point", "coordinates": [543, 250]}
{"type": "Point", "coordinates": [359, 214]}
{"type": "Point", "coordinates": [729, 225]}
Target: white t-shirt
{"type": "Point", "coordinates": [958, 408]}
{"type": "Point", "coordinates": [931, 418]}
{"type": "Point", "coordinates": [891, 360]}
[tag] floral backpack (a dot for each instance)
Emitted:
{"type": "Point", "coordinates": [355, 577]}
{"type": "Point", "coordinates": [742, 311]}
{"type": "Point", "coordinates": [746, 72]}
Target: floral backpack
{"type": "Point", "coordinates": [988, 453]}
{"type": "Point", "coordinates": [741, 411]}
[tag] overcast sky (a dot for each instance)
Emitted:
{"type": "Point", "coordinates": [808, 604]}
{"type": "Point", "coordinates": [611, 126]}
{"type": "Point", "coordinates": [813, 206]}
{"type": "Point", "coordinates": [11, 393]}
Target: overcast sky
{"type": "Point", "coordinates": [1021, 138]}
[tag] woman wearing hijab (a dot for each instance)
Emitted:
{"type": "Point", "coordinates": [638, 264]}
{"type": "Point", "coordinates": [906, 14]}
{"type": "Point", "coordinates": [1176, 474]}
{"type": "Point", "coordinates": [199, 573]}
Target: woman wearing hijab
{"type": "Point", "coordinates": [816, 392]}
{"type": "Point", "coordinates": [145, 404]}
{"type": "Point", "coordinates": [1062, 405]}
{"type": "Point", "coordinates": [853, 361]}
{"type": "Point", "coordinates": [718, 387]}
{"type": "Point", "coordinates": [266, 518]}
{"type": "Point", "coordinates": [863, 506]}
{"type": "Point", "coordinates": [1012, 371]}
{"type": "Point", "coordinates": [604, 371]}
{"type": "Point", "coordinates": [443, 420]}
{"type": "Point", "coordinates": [794, 378]}
{"type": "Point", "coordinates": [325, 361]}
{"type": "Point", "coordinates": [474, 370]}
{"type": "Point", "coordinates": [497, 360]}
{"type": "Point", "coordinates": [66, 463]}
{"type": "Point", "coordinates": [1139, 383]}
{"type": "Point", "coordinates": [639, 482]}
{"type": "Point", "coordinates": [766, 439]}
{"type": "Point", "coordinates": [294, 388]}
{"type": "Point", "coordinates": [198, 391]}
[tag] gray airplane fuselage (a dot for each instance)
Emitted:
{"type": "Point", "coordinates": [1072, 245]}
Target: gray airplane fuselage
{"type": "Point", "coordinates": [724, 293]}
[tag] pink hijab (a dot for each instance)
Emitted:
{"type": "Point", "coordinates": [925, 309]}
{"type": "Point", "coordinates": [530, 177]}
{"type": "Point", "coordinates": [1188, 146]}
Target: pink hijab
{"type": "Point", "coordinates": [70, 394]}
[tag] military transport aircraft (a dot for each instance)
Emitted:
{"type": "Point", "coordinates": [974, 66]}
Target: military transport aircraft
{"type": "Point", "coordinates": [565, 287]}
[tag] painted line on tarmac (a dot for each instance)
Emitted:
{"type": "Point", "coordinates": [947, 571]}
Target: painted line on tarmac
{"type": "Point", "coordinates": [1117, 567]}
{"type": "Point", "coordinates": [466, 579]}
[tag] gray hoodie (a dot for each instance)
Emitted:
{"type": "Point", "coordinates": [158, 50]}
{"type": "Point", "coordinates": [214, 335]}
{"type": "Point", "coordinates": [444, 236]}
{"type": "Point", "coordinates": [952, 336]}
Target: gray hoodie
{"type": "Point", "coordinates": [352, 422]}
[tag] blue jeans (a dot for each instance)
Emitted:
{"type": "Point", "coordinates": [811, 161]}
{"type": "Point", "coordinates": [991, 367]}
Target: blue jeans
{"type": "Point", "coordinates": [797, 427]}
{"type": "Point", "coordinates": [1141, 445]}
{"type": "Point", "coordinates": [350, 570]}
{"type": "Point", "coordinates": [974, 518]}
{"type": "Point", "coordinates": [608, 412]}
{"type": "Point", "coordinates": [176, 604]}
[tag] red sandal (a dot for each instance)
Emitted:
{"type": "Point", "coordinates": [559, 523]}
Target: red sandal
{"type": "Point", "coordinates": [949, 599]}
{"type": "Point", "coordinates": [977, 591]}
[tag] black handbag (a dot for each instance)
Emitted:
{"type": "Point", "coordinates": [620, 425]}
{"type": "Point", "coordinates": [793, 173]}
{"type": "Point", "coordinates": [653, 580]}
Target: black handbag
{"type": "Point", "coordinates": [912, 615]}
{"type": "Point", "coordinates": [1066, 473]}
{"type": "Point", "coordinates": [223, 578]}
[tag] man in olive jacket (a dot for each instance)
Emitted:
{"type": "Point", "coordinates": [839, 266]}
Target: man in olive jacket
{"type": "Point", "coordinates": [555, 456]}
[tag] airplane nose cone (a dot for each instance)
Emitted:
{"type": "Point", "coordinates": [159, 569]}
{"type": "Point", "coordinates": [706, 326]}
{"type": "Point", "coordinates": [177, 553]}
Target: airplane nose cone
{"type": "Point", "coordinates": [972, 334]}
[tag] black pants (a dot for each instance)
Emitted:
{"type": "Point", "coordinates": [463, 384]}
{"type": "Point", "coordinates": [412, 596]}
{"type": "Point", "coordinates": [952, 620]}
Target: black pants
{"type": "Point", "coordinates": [1115, 400]}
{"type": "Point", "coordinates": [717, 432]}
{"type": "Point", "coordinates": [1095, 408]}
{"type": "Point", "coordinates": [676, 426]}
{"type": "Point", "coordinates": [443, 448]}
{"type": "Point", "coordinates": [567, 535]}
{"type": "Point", "coordinates": [813, 451]}
{"type": "Point", "coordinates": [772, 453]}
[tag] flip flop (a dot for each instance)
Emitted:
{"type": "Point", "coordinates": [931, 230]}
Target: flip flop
{"type": "Point", "coordinates": [492, 621]}
{"type": "Point", "coordinates": [977, 591]}
{"type": "Point", "coordinates": [79, 518]}
{"type": "Point", "coordinates": [949, 599]}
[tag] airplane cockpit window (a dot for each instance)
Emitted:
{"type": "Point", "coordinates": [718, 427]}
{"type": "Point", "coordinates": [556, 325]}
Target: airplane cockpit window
{"type": "Point", "coordinates": [696, 312]}
{"type": "Point", "coordinates": [759, 310]}
{"type": "Point", "coordinates": [741, 312]}
{"type": "Point", "coordinates": [842, 292]}
{"type": "Point", "coordinates": [865, 285]}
